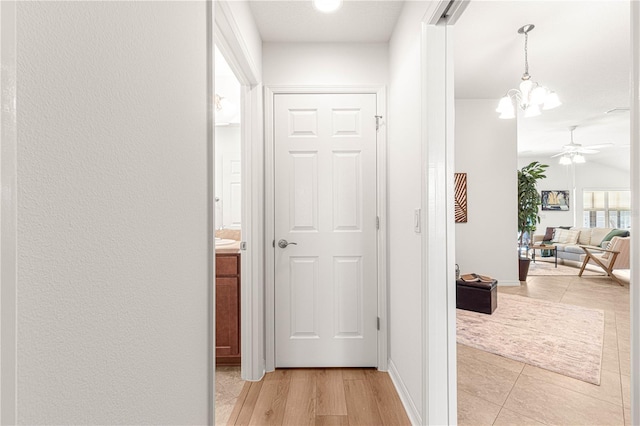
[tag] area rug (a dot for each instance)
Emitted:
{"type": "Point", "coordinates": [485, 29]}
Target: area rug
{"type": "Point", "coordinates": [547, 268]}
{"type": "Point", "coordinates": [565, 339]}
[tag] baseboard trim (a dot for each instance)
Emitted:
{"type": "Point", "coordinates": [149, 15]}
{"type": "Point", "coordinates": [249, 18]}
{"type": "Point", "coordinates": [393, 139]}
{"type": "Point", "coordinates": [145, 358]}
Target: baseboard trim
{"type": "Point", "coordinates": [403, 393]}
{"type": "Point", "coordinates": [502, 283]}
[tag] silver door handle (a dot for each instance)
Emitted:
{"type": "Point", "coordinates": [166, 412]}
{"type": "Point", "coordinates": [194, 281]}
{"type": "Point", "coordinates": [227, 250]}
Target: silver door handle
{"type": "Point", "coordinates": [285, 243]}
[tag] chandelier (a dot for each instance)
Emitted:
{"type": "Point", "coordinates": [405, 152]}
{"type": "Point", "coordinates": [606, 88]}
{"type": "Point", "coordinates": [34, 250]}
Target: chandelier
{"type": "Point", "coordinates": [530, 96]}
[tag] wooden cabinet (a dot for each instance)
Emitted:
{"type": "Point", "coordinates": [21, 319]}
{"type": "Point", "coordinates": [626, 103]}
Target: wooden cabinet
{"type": "Point", "coordinates": [228, 309]}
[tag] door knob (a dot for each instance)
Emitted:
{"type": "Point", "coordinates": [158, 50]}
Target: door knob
{"type": "Point", "coordinates": [285, 243]}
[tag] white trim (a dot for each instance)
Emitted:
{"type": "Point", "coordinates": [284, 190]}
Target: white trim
{"type": "Point", "coordinates": [438, 241]}
{"type": "Point", "coordinates": [405, 397]}
{"type": "Point", "coordinates": [211, 212]}
{"type": "Point", "coordinates": [381, 166]}
{"type": "Point", "coordinates": [252, 306]}
{"type": "Point", "coordinates": [634, 290]}
{"type": "Point", "coordinates": [439, 387]}
{"type": "Point", "coordinates": [231, 44]}
{"type": "Point", "coordinates": [383, 238]}
{"type": "Point", "coordinates": [8, 216]}
{"type": "Point", "coordinates": [269, 233]}
{"type": "Point", "coordinates": [230, 38]}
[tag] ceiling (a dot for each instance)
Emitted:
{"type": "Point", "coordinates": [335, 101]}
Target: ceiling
{"type": "Point", "coordinates": [356, 21]}
{"type": "Point", "coordinates": [580, 49]}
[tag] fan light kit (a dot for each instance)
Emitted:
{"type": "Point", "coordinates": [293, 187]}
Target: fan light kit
{"type": "Point", "coordinates": [572, 152]}
{"type": "Point", "coordinates": [530, 96]}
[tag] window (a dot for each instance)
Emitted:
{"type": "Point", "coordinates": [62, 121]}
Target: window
{"type": "Point", "coordinates": [607, 209]}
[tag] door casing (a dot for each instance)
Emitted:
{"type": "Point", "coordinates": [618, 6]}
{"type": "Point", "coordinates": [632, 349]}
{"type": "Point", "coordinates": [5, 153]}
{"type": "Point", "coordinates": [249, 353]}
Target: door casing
{"type": "Point", "coordinates": [381, 171]}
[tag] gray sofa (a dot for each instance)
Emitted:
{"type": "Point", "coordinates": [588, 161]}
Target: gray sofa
{"type": "Point", "coordinates": [568, 241]}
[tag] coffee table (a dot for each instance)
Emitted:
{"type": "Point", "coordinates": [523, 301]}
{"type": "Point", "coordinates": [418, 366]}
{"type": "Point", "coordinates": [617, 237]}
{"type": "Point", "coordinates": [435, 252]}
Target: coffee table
{"type": "Point", "coordinates": [544, 247]}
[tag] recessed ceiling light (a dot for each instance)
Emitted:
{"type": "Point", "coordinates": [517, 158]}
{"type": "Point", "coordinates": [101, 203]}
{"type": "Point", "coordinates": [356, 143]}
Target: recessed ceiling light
{"type": "Point", "coordinates": [327, 6]}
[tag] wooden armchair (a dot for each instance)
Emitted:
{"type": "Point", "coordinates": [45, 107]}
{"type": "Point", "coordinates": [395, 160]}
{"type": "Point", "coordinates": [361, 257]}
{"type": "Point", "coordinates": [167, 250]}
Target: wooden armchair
{"type": "Point", "coordinates": [616, 256]}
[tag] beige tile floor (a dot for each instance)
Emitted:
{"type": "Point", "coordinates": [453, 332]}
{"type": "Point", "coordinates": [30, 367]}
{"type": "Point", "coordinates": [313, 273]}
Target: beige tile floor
{"type": "Point", "coordinates": [228, 387]}
{"type": "Point", "coordinates": [499, 391]}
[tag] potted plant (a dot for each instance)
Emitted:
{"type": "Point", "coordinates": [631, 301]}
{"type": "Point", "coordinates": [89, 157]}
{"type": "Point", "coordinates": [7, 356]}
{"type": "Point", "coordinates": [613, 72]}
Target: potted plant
{"type": "Point", "coordinates": [528, 207]}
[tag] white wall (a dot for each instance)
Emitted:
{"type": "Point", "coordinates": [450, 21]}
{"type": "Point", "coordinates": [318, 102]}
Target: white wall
{"type": "Point", "coordinates": [227, 149]}
{"type": "Point", "coordinates": [113, 283]}
{"type": "Point", "coordinates": [589, 175]}
{"type": "Point", "coordinates": [486, 150]}
{"type": "Point", "coordinates": [326, 64]}
{"type": "Point", "coordinates": [405, 250]}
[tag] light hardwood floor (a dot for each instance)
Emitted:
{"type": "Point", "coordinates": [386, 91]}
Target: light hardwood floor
{"type": "Point", "coordinates": [499, 391]}
{"type": "Point", "coordinates": [332, 396]}
{"type": "Point", "coordinates": [491, 389]}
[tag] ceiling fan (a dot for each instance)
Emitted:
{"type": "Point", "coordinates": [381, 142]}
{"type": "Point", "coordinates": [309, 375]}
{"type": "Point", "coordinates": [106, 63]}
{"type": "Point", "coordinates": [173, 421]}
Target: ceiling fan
{"type": "Point", "coordinates": [572, 152]}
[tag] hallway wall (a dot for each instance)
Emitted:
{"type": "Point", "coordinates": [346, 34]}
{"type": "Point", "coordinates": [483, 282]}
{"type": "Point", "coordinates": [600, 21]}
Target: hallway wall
{"type": "Point", "coordinates": [112, 266]}
{"type": "Point", "coordinates": [405, 174]}
{"type": "Point", "coordinates": [325, 64]}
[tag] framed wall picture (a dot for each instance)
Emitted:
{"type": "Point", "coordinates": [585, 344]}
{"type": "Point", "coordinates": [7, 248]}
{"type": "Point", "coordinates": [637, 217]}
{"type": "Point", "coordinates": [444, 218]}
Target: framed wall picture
{"type": "Point", "coordinates": [555, 200]}
{"type": "Point", "coordinates": [460, 180]}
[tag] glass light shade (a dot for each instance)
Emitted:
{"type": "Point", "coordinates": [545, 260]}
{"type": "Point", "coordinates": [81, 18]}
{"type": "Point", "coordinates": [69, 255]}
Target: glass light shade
{"type": "Point", "coordinates": [552, 101]}
{"type": "Point", "coordinates": [578, 159]}
{"type": "Point", "coordinates": [505, 105]}
{"type": "Point", "coordinates": [538, 95]}
{"type": "Point", "coordinates": [532, 111]}
{"type": "Point", "coordinates": [564, 160]}
{"type": "Point", "coordinates": [507, 115]}
{"type": "Point", "coordinates": [327, 6]}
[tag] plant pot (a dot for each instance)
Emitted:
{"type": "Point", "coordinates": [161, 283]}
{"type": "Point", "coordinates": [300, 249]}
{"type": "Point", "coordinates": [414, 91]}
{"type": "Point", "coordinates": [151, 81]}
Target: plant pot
{"type": "Point", "coordinates": [523, 268]}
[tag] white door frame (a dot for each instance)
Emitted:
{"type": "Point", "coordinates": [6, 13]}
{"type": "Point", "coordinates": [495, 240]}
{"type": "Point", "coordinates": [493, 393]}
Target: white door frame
{"type": "Point", "coordinates": [381, 168]}
{"type": "Point", "coordinates": [229, 41]}
{"type": "Point", "coordinates": [439, 384]}
{"type": "Point", "coordinates": [635, 212]}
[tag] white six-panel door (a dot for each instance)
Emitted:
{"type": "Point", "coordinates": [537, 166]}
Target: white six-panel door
{"type": "Point", "coordinates": [325, 203]}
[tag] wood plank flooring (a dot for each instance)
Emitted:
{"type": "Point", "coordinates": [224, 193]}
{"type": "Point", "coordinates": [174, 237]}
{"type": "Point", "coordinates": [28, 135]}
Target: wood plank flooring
{"type": "Point", "coordinates": [320, 396]}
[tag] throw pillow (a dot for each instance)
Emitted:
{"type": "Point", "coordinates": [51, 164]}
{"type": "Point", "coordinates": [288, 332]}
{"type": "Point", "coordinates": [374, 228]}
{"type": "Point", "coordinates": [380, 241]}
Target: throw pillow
{"type": "Point", "coordinates": [585, 236]}
{"type": "Point", "coordinates": [614, 233]}
{"type": "Point", "coordinates": [566, 236]}
{"type": "Point", "coordinates": [560, 235]}
{"type": "Point", "coordinates": [548, 235]}
{"type": "Point", "coordinates": [572, 236]}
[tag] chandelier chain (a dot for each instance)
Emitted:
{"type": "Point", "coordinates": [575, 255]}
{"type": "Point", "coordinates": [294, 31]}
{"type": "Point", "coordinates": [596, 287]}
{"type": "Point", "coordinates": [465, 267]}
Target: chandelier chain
{"type": "Point", "coordinates": [526, 56]}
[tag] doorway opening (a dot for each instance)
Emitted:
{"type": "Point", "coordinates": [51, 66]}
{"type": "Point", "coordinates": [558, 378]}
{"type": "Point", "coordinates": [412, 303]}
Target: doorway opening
{"type": "Point", "coordinates": [603, 138]}
{"type": "Point", "coordinates": [228, 235]}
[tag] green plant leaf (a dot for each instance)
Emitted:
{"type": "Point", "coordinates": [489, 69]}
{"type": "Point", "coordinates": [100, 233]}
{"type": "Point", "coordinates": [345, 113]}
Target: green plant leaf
{"type": "Point", "coordinates": [528, 197]}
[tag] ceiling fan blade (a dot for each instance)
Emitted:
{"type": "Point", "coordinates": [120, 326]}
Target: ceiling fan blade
{"type": "Point", "coordinates": [558, 154]}
{"type": "Point", "coordinates": [600, 145]}
{"type": "Point", "coordinates": [587, 151]}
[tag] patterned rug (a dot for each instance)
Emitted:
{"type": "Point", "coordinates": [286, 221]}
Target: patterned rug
{"type": "Point", "coordinates": [545, 267]}
{"type": "Point", "coordinates": [565, 339]}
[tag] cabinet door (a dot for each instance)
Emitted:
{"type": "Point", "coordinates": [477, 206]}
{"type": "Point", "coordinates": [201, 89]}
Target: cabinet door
{"type": "Point", "coordinates": [227, 317]}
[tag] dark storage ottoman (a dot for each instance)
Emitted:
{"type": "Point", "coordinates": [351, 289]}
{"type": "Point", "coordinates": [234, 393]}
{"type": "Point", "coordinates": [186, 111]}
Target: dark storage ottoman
{"type": "Point", "coordinates": [477, 296]}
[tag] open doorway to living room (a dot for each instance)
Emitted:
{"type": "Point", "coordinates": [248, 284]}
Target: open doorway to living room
{"type": "Point", "coordinates": [556, 349]}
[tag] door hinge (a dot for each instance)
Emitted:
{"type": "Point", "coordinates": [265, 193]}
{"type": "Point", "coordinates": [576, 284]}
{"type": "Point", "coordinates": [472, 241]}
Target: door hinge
{"type": "Point", "coordinates": [377, 222]}
{"type": "Point", "coordinates": [378, 117]}
{"type": "Point", "coordinates": [243, 245]}
{"type": "Point", "coordinates": [378, 323]}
